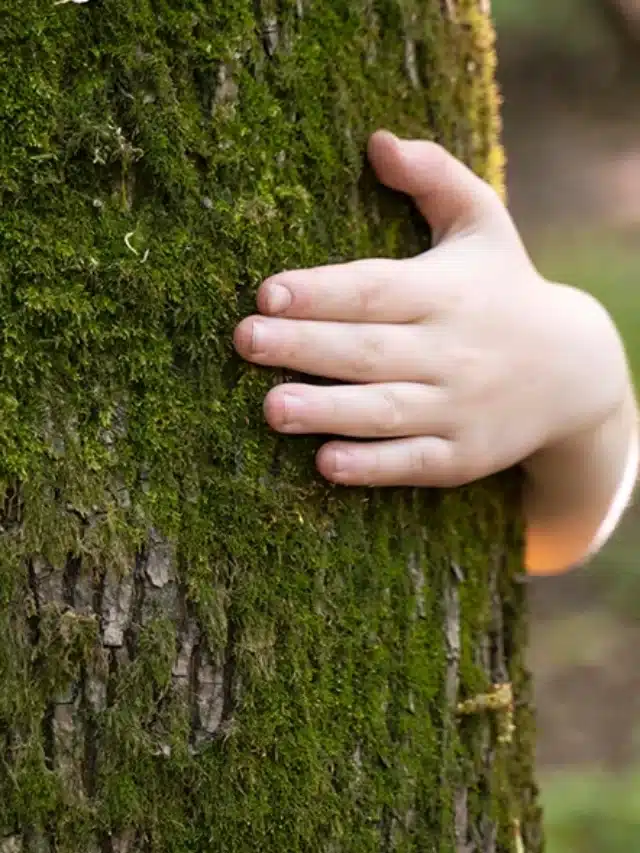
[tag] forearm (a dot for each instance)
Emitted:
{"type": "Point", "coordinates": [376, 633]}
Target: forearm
{"type": "Point", "coordinates": [576, 492]}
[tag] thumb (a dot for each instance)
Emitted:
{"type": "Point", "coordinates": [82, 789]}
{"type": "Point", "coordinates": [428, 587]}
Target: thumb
{"type": "Point", "coordinates": [448, 194]}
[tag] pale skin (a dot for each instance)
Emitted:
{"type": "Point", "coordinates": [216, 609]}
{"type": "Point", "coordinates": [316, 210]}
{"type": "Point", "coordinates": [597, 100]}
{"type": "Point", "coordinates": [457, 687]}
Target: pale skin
{"type": "Point", "coordinates": [460, 362]}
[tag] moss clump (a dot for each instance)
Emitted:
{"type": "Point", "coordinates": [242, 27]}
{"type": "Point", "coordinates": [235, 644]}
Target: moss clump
{"type": "Point", "coordinates": [206, 647]}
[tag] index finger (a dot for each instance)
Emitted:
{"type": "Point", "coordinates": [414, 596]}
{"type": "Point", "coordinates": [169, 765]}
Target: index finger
{"type": "Point", "coordinates": [367, 291]}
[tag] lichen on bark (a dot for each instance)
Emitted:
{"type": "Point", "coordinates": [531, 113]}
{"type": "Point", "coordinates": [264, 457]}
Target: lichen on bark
{"type": "Point", "coordinates": [204, 646]}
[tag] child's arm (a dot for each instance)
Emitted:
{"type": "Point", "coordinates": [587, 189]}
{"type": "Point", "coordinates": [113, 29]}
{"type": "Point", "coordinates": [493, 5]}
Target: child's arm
{"type": "Point", "coordinates": [569, 505]}
{"type": "Point", "coordinates": [463, 361]}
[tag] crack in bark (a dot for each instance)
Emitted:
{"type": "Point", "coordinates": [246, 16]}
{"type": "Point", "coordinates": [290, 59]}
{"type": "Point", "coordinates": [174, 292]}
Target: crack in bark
{"type": "Point", "coordinates": [89, 706]}
{"type": "Point", "coordinates": [12, 509]}
{"type": "Point", "coordinates": [453, 647]}
{"type": "Point", "coordinates": [70, 578]}
{"type": "Point", "coordinates": [270, 35]}
{"type": "Point", "coordinates": [498, 659]}
{"type": "Point", "coordinates": [268, 26]}
{"type": "Point", "coordinates": [48, 737]}
{"type": "Point", "coordinates": [135, 606]}
{"type": "Point", "coordinates": [34, 608]}
{"type": "Point", "coordinates": [112, 677]}
{"type": "Point", "coordinates": [452, 633]}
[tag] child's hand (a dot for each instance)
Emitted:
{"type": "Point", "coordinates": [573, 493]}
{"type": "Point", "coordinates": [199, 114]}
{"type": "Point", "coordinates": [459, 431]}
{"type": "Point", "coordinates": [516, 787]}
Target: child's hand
{"type": "Point", "coordinates": [466, 360]}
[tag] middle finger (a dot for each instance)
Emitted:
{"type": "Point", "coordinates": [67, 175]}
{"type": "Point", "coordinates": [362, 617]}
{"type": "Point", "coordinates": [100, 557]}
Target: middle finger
{"type": "Point", "coordinates": [352, 352]}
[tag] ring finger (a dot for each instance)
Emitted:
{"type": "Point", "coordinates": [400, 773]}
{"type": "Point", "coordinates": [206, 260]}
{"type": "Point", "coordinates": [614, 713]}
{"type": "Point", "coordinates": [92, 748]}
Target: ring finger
{"type": "Point", "coordinates": [360, 411]}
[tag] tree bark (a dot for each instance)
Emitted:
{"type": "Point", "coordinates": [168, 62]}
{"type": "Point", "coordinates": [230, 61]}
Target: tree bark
{"type": "Point", "coordinates": [204, 647]}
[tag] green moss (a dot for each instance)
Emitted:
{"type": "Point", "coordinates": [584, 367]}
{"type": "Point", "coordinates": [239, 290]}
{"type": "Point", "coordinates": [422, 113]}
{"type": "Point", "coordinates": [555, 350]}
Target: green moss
{"type": "Point", "coordinates": [157, 161]}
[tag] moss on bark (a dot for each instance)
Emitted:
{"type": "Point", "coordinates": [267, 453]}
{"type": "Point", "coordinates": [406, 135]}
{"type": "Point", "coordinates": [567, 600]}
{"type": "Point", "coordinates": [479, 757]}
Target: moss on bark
{"type": "Point", "coordinates": [205, 648]}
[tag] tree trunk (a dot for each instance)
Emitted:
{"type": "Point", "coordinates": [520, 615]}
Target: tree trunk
{"type": "Point", "coordinates": [204, 647]}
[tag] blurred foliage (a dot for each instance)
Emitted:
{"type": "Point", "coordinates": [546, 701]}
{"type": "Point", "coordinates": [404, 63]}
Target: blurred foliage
{"type": "Point", "coordinates": [592, 812]}
{"type": "Point", "coordinates": [532, 14]}
{"type": "Point", "coordinates": [571, 24]}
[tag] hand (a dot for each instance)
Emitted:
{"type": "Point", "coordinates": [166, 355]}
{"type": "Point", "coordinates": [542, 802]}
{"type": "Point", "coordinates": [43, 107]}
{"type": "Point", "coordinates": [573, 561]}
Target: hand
{"type": "Point", "coordinates": [463, 360]}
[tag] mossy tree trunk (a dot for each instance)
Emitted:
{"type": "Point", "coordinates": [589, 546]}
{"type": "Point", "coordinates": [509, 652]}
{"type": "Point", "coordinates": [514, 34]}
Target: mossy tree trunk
{"type": "Point", "coordinates": [204, 647]}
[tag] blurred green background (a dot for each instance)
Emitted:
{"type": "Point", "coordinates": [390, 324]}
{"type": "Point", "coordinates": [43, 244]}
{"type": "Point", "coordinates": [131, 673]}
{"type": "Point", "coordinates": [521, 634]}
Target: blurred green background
{"type": "Point", "coordinates": [570, 74]}
{"type": "Point", "coordinates": [549, 18]}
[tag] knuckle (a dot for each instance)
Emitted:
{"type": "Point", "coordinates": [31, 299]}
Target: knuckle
{"type": "Point", "coordinates": [434, 464]}
{"type": "Point", "coordinates": [467, 361]}
{"type": "Point", "coordinates": [369, 297]}
{"type": "Point", "coordinates": [374, 467]}
{"type": "Point", "coordinates": [390, 414]}
{"type": "Point", "coordinates": [374, 277]}
{"type": "Point", "coordinates": [421, 462]}
{"type": "Point", "coordinates": [472, 372]}
{"type": "Point", "coordinates": [366, 362]}
{"type": "Point", "coordinates": [363, 366]}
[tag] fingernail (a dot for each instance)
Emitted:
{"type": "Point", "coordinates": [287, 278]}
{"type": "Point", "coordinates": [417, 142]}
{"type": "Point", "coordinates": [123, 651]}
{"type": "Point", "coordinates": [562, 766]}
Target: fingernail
{"type": "Point", "coordinates": [293, 408]}
{"type": "Point", "coordinates": [258, 338]}
{"type": "Point", "coordinates": [392, 136]}
{"type": "Point", "coordinates": [278, 298]}
{"type": "Point", "coordinates": [341, 460]}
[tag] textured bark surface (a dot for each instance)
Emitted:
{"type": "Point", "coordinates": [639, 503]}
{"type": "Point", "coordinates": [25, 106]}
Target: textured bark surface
{"type": "Point", "coordinates": [204, 647]}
